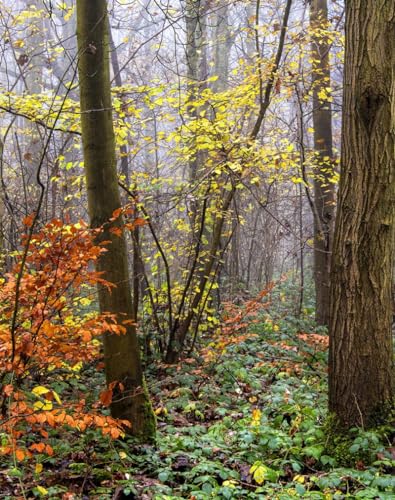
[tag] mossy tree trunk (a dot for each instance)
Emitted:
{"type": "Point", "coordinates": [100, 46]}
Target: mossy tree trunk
{"type": "Point", "coordinates": [361, 356]}
{"type": "Point", "coordinates": [122, 355]}
{"type": "Point", "coordinates": [324, 189]}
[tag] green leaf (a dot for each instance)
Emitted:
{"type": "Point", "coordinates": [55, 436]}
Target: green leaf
{"type": "Point", "coordinates": [163, 476]}
{"type": "Point", "coordinates": [313, 451]}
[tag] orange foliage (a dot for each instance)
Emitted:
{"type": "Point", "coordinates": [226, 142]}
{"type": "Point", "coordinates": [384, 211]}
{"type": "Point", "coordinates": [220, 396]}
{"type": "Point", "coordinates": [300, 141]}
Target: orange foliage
{"type": "Point", "coordinates": [50, 328]}
{"type": "Point", "coordinates": [236, 319]}
{"type": "Point", "coordinates": [319, 342]}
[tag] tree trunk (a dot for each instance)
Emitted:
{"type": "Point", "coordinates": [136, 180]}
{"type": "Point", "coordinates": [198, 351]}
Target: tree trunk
{"type": "Point", "coordinates": [122, 355]}
{"type": "Point", "coordinates": [324, 189]}
{"type": "Point", "coordinates": [222, 46]}
{"type": "Point", "coordinates": [2, 210]}
{"type": "Point", "coordinates": [195, 19]}
{"type": "Point", "coordinates": [360, 357]}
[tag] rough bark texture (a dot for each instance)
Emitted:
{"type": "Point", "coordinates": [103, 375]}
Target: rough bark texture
{"type": "Point", "coordinates": [122, 357]}
{"type": "Point", "coordinates": [361, 356]}
{"type": "Point", "coordinates": [324, 189]}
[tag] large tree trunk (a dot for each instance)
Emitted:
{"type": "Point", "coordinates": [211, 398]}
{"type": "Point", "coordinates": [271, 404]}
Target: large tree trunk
{"type": "Point", "coordinates": [324, 189]}
{"type": "Point", "coordinates": [360, 358]}
{"type": "Point", "coordinates": [122, 356]}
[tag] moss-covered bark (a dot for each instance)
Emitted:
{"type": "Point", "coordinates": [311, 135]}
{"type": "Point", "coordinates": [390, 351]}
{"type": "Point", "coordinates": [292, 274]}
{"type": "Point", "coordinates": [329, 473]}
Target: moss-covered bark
{"type": "Point", "coordinates": [361, 352]}
{"type": "Point", "coordinates": [122, 356]}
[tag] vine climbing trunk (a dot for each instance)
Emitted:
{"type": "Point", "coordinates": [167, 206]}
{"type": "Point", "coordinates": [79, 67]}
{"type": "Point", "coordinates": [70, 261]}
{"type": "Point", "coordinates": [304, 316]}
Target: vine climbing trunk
{"type": "Point", "coordinates": [361, 355]}
{"type": "Point", "coordinates": [122, 355]}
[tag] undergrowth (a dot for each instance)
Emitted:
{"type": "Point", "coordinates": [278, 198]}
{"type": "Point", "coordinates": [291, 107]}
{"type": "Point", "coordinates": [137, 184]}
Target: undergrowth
{"type": "Point", "coordinates": [245, 417]}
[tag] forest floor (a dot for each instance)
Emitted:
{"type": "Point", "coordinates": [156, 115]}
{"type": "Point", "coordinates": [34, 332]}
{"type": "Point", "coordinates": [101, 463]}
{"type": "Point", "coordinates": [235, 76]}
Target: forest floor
{"type": "Point", "coordinates": [244, 417]}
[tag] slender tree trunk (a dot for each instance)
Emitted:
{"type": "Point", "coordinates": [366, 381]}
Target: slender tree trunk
{"type": "Point", "coordinates": [33, 141]}
{"type": "Point", "coordinates": [122, 355]}
{"type": "Point", "coordinates": [223, 43]}
{"type": "Point", "coordinates": [361, 356]}
{"type": "Point", "coordinates": [301, 253]}
{"type": "Point", "coordinates": [138, 264]}
{"type": "Point", "coordinates": [2, 211]}
{"type": "Point", "coordinates": [195, 20]}
{"type": "Point", "coordinates": [324, 189]}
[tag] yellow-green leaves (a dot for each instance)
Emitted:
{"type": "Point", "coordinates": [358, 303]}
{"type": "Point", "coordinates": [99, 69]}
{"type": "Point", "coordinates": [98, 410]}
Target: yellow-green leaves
{"type": "Point", "coordinates": [261, 473]}
{"type": "Point", "coordinates": [325, 94]}
{"type": "Point", "coordinates": [42, 491]}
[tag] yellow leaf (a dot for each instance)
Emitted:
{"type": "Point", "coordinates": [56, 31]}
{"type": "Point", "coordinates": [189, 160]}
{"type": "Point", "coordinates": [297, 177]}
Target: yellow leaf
{"type": "Point", "coordinates": [85, 302]}
{"type": "Point", "coordinates": [161, 410]}
{"type": "Point", "coordinates": [230, 483]}
{"type": "Point", "coordinates": [69, 14]}
{"type": "Point", "coordinates": [38, 468]}
{"type": "Point", "coordinates": [299, 478]}
{"type": "Point", "coordinates": [57, 398]}
{"type": "Point", "coordinates": [78, 366]}
{"type": "Point", "coordinates": [42, 490]}
{"type": "Point", "coordinates": [258, 472]}
{"type": "Point", "coordinates": [256, 416]}
{"type": "Point", "coordinates": [40, 390]}
{"type": "Point", "coordinates": [40, 405]}
{"type": "Point", "coordinates": [122, 455]}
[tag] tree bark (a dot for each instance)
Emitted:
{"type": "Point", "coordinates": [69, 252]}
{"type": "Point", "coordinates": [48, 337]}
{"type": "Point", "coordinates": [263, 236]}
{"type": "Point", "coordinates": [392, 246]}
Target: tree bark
{"type": "Point", "coordinates": [122, 355]}
{"type": "Point", "coordinates": [195, 19]}
{"type": "Point", "coordinates": [361, 356]}
{"type": "Point", "coordinates": [2, 211]}
{"type": "Point", "coordinates": [223, 44]}
{"type": "Point", "coordinates": [324, 189]}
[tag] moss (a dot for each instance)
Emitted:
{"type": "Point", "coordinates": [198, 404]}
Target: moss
{"type": "Point", "coordinates": [383, 415]}
{"type": "Point", "coordinates": [339, 441]}
{"type": "Point", "coordinates": [147, 434]}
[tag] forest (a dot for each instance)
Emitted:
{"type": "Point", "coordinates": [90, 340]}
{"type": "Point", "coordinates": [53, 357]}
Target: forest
{"type": "Point", "coordinates": [197, 249]}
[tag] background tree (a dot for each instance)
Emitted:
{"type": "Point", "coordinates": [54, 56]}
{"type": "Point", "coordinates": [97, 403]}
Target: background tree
{"type": "Point", "coordinates": [324, 189]}
{"type": "Point", "coordinates": [361, 356]}
{"type": "Point", "coordinates": [122, 356]}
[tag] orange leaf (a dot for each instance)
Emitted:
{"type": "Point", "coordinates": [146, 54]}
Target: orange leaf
{"type": "Point", "coordinates": [49, 450]}
{"type": "Point", "coordinates": [115, 433]}
{"type": "Point", "coordinates": [28, 220]}
{"type": "Point", "coordinates": [86, 336]}
{"type": "Point", "coordinates": [106, 397]}
{"type": "Point", "coordinates": [39, 447]}
{"type": "Point", "coordinates": [138, 221]}
{"type": "Point", "coordinates": [8, 389]}
{"type": "Point", "coordinates": [19, 454]}
{"type": "Point", "coordinates": [117, 213]}
{"type": "Point", "coordinates": [116, 230]}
